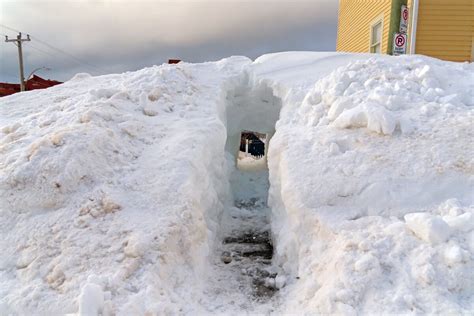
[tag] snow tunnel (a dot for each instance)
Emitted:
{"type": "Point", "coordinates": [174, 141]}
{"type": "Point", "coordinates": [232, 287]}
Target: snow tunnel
{"type": "Point", "coordinates": [250, 108]}
{"type": "Point", "coordinates": [246, 247]}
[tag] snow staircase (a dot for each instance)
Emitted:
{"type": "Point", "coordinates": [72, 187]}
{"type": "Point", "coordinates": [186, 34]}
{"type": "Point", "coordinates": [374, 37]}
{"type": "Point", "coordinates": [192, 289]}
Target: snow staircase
{"type": "Point", "coordinates": [251, 250]}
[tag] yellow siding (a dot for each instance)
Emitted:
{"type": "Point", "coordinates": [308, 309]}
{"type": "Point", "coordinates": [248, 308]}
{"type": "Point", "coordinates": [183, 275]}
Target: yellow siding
{"type": "Point", "coordinates": [355, 17]}
{"type": "Point", "coordinates": [445, 29]}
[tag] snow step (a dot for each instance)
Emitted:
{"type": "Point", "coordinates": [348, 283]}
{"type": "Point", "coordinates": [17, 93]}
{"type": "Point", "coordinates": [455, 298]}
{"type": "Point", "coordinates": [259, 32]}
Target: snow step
{"type": "Point", "coordinates": [249, 238]}
{"type": "Point", "coordinates": [254, 251]}
{"type": "Point", "coordinates": [250, 245]}
{"type": "Point", "coordinates": [249, 204]}
{"type": "Point", "coordinates": [263, 254]}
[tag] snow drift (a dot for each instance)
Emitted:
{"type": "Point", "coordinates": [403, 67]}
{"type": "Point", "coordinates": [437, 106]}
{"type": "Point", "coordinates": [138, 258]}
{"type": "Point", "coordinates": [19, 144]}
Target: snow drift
{"type": "Point", "coordinates": [371, 177]}
{"type": "Point", "coordinates": [112, 187]}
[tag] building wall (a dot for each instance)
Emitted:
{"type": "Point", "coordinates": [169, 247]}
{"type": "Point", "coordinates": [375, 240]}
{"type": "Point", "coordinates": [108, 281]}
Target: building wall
{"type": "Point", "coordinates": [355, 17]}
{"type": "Point", "coordinates": [445, 29]}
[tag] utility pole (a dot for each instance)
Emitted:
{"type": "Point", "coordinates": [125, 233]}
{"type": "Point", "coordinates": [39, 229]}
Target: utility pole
{"type": "Point", "coordinates": [18, 42]}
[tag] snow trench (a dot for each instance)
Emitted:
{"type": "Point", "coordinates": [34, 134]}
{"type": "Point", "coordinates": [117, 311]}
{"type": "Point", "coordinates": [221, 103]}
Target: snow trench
{"type": "Point", "coordinates": [119, 194]}
{"type": "Point", "coordinates": [243, 246]}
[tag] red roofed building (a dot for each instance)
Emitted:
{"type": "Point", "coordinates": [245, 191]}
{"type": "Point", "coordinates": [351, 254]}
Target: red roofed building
{"type": "Point", "coordinates": [33, 83]}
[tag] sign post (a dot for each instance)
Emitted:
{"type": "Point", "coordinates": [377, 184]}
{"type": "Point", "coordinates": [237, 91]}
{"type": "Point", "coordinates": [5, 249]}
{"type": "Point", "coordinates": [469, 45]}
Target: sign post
{"type": "Point", "coordinates": [399, 44]}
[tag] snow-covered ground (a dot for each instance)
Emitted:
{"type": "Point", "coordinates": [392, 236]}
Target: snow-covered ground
{"type": "Point", "coordinates": [248, 162]}
{"type": "Point", "coordinates": [116, 192]}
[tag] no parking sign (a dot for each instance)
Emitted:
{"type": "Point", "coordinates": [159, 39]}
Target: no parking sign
{"type": "Point", "coordinates": [404, 19]}
{"type": "Point", "coordinates": [399, 44]}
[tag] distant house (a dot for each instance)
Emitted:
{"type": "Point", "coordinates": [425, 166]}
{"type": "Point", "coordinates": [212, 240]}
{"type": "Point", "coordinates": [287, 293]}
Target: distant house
{"type": "Point", "coordinates": [437, 28]}
{"type": "Point", "coordinates": [33, 83]}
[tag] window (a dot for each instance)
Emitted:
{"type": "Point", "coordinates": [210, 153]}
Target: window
{"type": "Point", "coordinates": [376, 37]}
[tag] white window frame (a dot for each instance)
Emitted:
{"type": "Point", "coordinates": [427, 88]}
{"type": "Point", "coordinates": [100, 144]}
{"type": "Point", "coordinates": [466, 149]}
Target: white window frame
{"type": "Point", "coordinates": [374, 22]}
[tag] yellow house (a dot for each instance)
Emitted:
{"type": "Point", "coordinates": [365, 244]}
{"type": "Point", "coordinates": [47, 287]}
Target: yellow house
{"type": "Point", "coordinates": [437, 28]}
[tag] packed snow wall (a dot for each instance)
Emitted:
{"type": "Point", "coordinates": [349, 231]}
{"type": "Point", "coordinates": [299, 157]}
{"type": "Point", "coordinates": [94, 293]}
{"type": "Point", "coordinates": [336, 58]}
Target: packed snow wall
{"type": "Point", "coordinates": [111, 190]}
{"type": "Point", "coordinates": [371, 176]}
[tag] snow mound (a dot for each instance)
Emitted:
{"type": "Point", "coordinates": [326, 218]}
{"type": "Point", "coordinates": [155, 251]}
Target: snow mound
{"type": "Point", "coordinates": [371, 171]}
{"type": "Point", "coordinates": [383, 97]}
{"type": "Point", "coordinates": [119, 176]}
{"type": "Point", "coordinates": [112, 187]}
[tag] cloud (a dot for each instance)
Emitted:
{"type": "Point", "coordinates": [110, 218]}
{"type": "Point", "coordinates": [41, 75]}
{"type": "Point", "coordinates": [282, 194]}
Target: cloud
{"type": "Point", "coordinates": [121, 34]}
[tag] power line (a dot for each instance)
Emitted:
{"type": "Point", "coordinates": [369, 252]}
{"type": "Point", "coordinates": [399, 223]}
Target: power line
{"type": "Point", "coordinates": [62, 60]}
{"type": "Point", "coordinates": [41, 51]}
{"type": "Point", "coordinates": [51, 47]}
{"type": "Point", "coordinates": [58, 58]}
{"type": "Point", "coordinates": [49, 54]}
{"type": "Point", "coordinates": [9, 28]}
{"type": "Point", "coordinates": [67, 54]}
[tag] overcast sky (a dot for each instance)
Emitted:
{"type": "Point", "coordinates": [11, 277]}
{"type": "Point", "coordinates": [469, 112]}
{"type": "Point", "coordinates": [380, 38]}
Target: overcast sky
{"type": "Point", "coordinates": [103, 36]}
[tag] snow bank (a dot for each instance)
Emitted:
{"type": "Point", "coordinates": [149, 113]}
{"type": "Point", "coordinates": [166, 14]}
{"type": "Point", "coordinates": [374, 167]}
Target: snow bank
{"type": "Point", "coordinates": [371, 171]}
{"type": "Point", "coordinates": [111, 189]}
